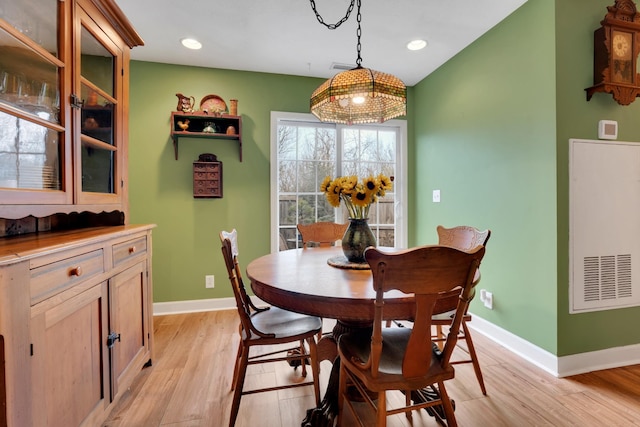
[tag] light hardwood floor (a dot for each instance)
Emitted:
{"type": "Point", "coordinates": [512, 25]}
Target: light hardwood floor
{"type": "Point", "coordinates": [189, 386]}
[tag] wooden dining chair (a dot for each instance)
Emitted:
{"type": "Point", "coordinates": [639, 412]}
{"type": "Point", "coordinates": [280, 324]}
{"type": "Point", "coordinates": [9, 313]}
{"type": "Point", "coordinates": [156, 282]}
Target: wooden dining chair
{"type": "Point", "coordinates": [321, 233]}
{"type": "Point", "coordinates": [405, 359]}
{"type": "Point", "coordinates": [465, 238]}
{"type": "Point", "coordinates": [267, 326]}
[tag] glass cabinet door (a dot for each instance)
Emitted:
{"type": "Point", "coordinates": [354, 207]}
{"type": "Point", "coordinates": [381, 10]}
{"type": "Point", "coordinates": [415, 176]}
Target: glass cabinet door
{"type": "Point", "coordinates": [32, 127]}
{"type": "Point", "coordinates": [98, 88]}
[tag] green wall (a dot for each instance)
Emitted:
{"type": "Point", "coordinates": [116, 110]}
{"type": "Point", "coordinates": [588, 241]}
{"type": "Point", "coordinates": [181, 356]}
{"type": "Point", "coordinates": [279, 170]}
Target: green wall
{"type": "Point", "coordinates": [485, 136]}
{"type": "Point", "coordinates": [578, 118]}
{"type": "Point", "coordinates": [489, 128]}
{"type": "Point", "coordinates": [492, 129]}
{"type": "Point", "coordinates": [186, 246]}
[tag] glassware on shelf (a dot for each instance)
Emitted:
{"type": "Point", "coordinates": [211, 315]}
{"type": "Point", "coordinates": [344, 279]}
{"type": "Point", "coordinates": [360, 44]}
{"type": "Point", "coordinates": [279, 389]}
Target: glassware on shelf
{"type": "Point", "coordinates": [209, 127]}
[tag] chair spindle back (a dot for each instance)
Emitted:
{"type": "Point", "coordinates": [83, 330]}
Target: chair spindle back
{"type": "Point", "coordinates": [426, 272]}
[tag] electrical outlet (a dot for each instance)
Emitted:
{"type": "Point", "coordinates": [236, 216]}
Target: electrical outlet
{"type": "Point", "coordinates": [209, 282]}
{"type": "Point", "coordinates": [436, 196]}
{"type": "Point", "coordinates": [488, 300]}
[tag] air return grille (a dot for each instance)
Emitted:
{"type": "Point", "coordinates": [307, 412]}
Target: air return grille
{"type": "Point", "coordinates": [607, 277]}
{"type": "Point", "coordinates": [604, 225]}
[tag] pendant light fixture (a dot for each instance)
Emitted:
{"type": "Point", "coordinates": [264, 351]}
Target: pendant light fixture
{"type": "Point", "coordinates": [359, 95]}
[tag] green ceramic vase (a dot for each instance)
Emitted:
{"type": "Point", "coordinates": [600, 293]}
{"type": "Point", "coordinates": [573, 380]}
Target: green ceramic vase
{"type": "Point", "coordinates": [356, 239]}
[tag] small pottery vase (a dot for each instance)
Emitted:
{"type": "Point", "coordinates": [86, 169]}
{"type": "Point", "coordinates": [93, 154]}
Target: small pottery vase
{"type": "Point", "coordinates": [93, 98]}
{"type": "Point", "coordinates": [356, 239]}
{"type": "Point", "coordinates": [233, 109]}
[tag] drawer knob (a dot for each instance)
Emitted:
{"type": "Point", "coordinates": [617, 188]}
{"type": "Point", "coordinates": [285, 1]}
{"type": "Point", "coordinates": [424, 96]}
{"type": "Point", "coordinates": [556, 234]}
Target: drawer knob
{"type": "Point", "coordinates": [132, 249]}
{"type": "Point", "coordinates": [76, 271]}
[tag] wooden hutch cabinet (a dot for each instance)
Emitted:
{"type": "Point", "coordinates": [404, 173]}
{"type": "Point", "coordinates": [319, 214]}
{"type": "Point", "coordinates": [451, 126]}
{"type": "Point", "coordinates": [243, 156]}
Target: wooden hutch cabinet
{"type": "Point", "coordinates": [63, 107]}
{"type": "Point", "coordinates": [75, 275]}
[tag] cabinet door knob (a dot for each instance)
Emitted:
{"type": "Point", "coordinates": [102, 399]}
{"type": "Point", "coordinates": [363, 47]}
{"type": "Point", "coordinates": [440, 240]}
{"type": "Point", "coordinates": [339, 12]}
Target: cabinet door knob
{"type": "Point", "coordinates": [76, 271]}
{"type": "Point", "coordinates": [112, 338]}
{"type": "Point", "coordinates": [132, 249]}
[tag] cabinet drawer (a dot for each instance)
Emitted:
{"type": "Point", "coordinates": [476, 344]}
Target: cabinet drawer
{"type": "Point", "coordinates": [50, 279]}
{"type": "Point", "coordinates": [206, 184]}
{"type": "Point", "coordinates": [206, 175]}
{"type": "Point", "coordinates": [129, 249]}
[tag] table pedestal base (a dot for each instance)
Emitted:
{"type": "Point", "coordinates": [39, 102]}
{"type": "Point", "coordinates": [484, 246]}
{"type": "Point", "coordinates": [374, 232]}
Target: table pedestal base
{"type": "Point", "coordinates": [326, 414]}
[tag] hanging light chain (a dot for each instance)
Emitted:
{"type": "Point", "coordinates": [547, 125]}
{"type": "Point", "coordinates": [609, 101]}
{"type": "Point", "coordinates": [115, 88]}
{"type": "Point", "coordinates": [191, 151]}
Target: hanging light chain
{"type": "Point", "coordinates": [337, 24]}
{"type": "Point", "coordinates": [358, 33]}
{"type": "Point", "coordinates": [340, 22]}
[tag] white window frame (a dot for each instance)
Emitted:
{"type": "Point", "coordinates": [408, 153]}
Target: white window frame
{"type": "Point", "coordinates": [399, 184]}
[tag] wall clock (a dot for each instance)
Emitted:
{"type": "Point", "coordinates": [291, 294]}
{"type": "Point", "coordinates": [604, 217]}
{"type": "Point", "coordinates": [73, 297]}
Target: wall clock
{"type": "Point", "coordinates": [616, 45]}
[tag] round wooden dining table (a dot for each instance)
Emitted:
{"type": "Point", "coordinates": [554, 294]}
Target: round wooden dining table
{"type": "Point", "coordinates": [303, 281]}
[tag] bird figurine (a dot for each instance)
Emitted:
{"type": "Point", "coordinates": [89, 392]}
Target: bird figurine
{"type": "Point", "coordinates": [183, 124]}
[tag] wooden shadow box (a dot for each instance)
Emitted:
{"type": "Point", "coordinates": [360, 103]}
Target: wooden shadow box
{"type": "Point", "coordinates": [207, 179]}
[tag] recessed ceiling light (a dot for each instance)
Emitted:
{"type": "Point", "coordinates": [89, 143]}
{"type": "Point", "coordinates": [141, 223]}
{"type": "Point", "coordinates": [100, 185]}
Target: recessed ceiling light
{"type": "Point", "coordinates": [416, 44]}
{"type": "Point", "coordinates": [191, 43]}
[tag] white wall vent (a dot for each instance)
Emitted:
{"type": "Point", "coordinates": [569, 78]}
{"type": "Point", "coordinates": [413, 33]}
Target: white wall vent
{"type": "Point", "coordinates": [604, 225]}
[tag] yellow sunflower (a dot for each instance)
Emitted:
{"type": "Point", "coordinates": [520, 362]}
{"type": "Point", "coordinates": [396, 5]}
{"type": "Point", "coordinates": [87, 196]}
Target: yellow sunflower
{"type": "Point", "coordinates": [333, 193]}
{"type": "Point", "coordinates": [385, 183]}
{"type": "Point", "coordinates": [349, 184]}
{"type": "Point", "coordinates": [371, 186]}
{"type": "Point", "coordinates": [360, 197]}
{"type": "Point", "coordinates": [324, 186]}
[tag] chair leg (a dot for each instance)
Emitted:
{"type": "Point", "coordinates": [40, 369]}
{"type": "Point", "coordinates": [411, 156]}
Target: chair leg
{"type": "Point", "coordinates": [235, 368]}
{"type": "Point", "coordinates": [440, 335]}
{"type": "Point", "coordinates": [239, 382]}
{"type": "Point", "coordinates": [448, 407]}
{"type": "Point", "coordinates": [381, 410]}
{"type": "Point", "coordinates": [474, 357]}
{"type": "Point", "coordinates": [407, 402]}
{"type": "Point", "coordinates": [315, 368]}
{"type": "Point", "coordinates": [342, 388]}
{"type": "Point", "coordinates": [303, 357]}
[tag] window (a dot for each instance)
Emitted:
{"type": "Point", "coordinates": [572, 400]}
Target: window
{"type": "Point", "coordinates": [304, 151]}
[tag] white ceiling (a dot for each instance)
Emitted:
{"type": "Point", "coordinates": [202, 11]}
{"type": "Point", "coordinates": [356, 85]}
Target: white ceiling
{"type": "Point", "coordinates": [284, 36]}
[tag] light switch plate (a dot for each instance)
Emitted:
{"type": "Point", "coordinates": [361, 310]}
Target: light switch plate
{"type": "Point", "coordinates": [436, 196]}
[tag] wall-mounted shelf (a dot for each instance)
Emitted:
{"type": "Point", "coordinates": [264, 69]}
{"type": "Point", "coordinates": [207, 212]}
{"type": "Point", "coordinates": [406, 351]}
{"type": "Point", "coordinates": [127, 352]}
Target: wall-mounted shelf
{"type": "Point", "coordinates": [201, 125]}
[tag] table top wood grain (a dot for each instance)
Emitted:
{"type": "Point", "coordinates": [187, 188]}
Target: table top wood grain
{"type": "Point", "coordinates": [301, 280]}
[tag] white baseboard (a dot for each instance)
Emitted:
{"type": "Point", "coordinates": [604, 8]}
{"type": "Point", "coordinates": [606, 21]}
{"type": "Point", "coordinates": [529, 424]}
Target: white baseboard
{"type": "Point", "coordinates": [193, 306]}
{"type": "Point", "coordinates": [615, 357]}
{"type": "Point", "coordinates": [557, 366]}
{"type": "Point", "coordinates": [531, 353]}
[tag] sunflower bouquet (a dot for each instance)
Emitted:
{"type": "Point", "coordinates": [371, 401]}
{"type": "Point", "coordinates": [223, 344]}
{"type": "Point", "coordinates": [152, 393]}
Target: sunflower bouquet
{"type": "Point", "coordinates": [358, 196]}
